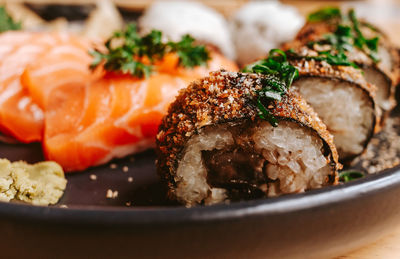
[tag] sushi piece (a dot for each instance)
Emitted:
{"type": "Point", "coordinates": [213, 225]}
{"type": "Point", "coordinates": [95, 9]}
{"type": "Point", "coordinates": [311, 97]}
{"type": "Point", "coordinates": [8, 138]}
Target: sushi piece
{"type": "Point", "coordinates": [267, 23]}
{"type": "Point", "coordinates": [342, 99]}
{"type": "Point", "coordinates": [213, 146]}
{"type": "Point", "coordinates": [380, 64]}
{"type": "Point", "coordinates": [177, 18]}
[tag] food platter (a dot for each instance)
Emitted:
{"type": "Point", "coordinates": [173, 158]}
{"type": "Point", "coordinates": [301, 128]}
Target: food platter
{"type": "Point", "coordinates": [120, 210]}
{"type": "Point", "coordinates": [139, 222]}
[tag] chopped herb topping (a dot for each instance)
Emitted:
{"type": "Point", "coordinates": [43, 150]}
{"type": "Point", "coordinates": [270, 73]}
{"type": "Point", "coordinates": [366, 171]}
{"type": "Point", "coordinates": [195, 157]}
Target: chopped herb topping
{"type": "Point", "coordinates": [189, 55]}
{"type": "Point", "coordinates": [325, 14]}
{"type": "Point", "coordinates": [276, 65]}
{"type": "Point", "coordinates": [338, 59]}
{"type": "Point", "coordinates": [6, 22]}
{"type": "Point", "coordinates": [369, 46]}
{"type": "Point", "coordinates": [127, 50]}
{"type": "Point", "coordinates": [346, 36]}
{"type": "Point", "coordinates": [347, 176]}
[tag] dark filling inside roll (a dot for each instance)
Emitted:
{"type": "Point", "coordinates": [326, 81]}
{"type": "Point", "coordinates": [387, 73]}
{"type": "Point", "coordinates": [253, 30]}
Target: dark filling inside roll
{"type": "Point", "coordinates": [240, 171]}
{"type": "Point", "coordinates": [251, 160]}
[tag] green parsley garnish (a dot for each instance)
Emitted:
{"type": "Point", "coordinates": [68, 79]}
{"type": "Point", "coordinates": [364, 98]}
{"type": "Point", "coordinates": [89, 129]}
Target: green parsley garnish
{"type": "Point", "coordinates": [347, 176]}
{"type": "Point", "coordinates": [339, 59]}
{"type": "Point", "coordinates": [127, 49]}
{"type": "Point", "coordinates": [340, 42]}
{"type": "Point", "coordinates": [6, 22]}
{"type": "Point", "coordinates": [369, 46]}
{"type": "Point", "coordinates": [346, 36]}
{"type": "Point", "coordinates": [189, 55]}
{"type": "Point", "coordinates": [273, 89]}
{"type": "Point", "coordinates": [325, 14]}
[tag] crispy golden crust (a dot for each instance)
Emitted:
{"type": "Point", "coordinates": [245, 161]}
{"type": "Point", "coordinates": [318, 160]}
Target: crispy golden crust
{"type": "Point", "coordinates": [225, 97]}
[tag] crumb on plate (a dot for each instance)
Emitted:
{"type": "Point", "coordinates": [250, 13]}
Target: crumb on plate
{"type": "Point", "coordinates": [111, 194]}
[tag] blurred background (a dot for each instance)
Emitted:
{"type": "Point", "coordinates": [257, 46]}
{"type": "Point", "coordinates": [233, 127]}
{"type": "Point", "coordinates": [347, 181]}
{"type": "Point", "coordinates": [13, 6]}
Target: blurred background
{"type": "Point", "coordinates": [223, 23]}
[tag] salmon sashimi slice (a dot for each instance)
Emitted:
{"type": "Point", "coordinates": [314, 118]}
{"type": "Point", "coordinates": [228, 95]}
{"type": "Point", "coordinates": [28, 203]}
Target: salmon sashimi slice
{"type": "Point", "coordinates": [20, 116]}
{"type": "Point", "coordinates": [91, 119]}
{"type": "Point", "coordinates": [64, 64]}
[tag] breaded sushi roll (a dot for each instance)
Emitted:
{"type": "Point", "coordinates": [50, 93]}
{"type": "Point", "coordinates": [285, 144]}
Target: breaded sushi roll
{"type": "Point", "coordinates": [218, 144]}
{"type": "Point", "coordinates": [342, 99]}
{"type": "Point", "coordinates": [364, 44]}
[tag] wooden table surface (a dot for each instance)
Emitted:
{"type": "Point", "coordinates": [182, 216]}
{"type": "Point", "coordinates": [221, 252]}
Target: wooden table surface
{"type": "Point", "coordinates": [385, 248]}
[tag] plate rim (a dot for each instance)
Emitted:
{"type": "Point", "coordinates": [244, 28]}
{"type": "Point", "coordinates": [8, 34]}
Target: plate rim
{"type": "Point", "coordinates": [126, 216]}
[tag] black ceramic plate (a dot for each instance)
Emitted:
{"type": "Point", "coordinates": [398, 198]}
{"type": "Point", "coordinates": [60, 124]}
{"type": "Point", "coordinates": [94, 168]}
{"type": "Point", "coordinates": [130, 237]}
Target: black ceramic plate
{"type": "Point", "coordinates": [140, 223]}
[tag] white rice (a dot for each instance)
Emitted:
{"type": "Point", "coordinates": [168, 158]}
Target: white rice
{"type": "Point", "coordinates": [191, 175]}
{"type": "Point", "coordinates": [263, 25]}
{"type": "Point", "coordinates": [294, 156]}
{"type": "Point", "coordinates": [177, 18]}
{"type": "Point", "coordinates": [344, 108]}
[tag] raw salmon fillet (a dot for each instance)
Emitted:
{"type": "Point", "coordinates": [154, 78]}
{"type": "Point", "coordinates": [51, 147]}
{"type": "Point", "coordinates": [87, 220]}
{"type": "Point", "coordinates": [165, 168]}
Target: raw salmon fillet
{"type": "Point", "coordinates": [93, 117]}
{"type": "Point", "coordinates": [20, 116]}
{"type": "Point", "coordinates": [66, 63]}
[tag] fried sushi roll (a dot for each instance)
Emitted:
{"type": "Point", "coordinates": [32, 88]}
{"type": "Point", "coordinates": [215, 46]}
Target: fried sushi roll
{"type": "Point", "coordinates": [373, 51]}
{"type": "Point", "coordinates": [213, 146]}
{"type": "Point", "coordinates": [341, 97]}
